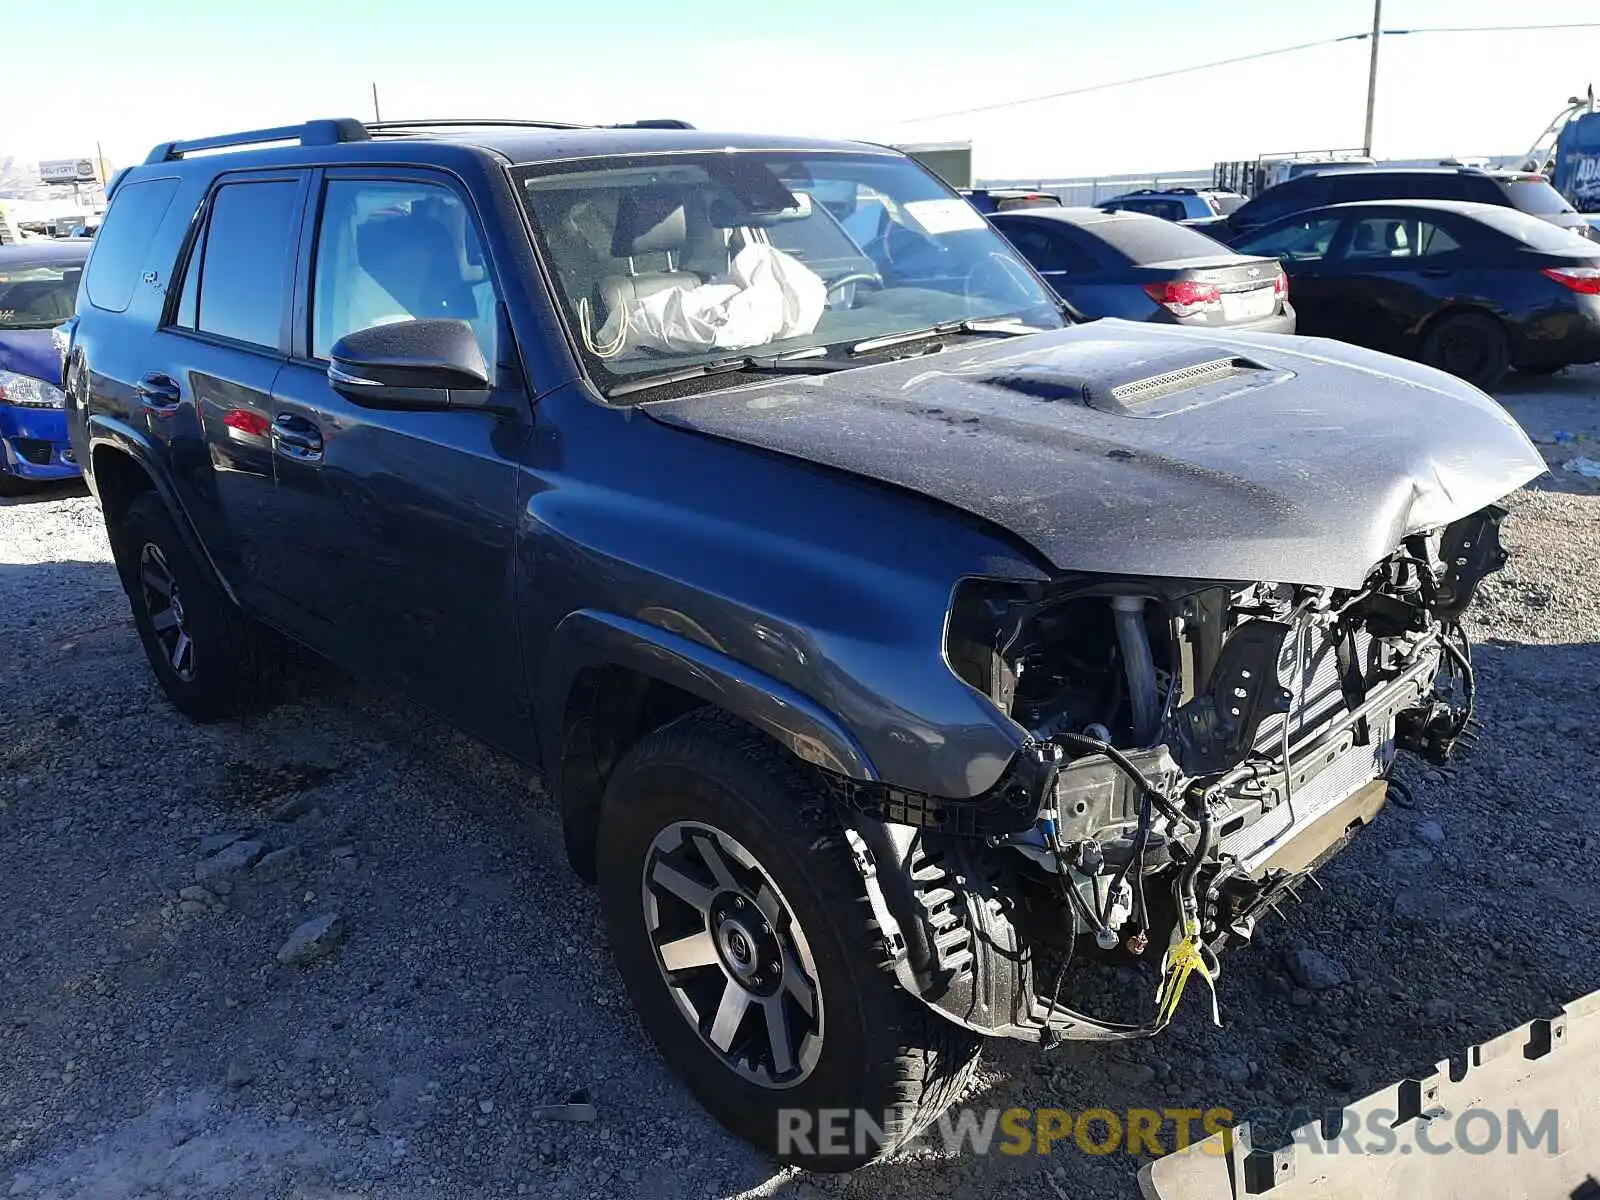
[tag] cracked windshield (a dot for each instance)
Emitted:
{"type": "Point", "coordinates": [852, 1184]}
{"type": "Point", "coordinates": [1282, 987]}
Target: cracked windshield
{"type": "Point", "coordinates": [672, 262]}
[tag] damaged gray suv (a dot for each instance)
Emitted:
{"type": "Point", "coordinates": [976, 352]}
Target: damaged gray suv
{"type": "Point", "coordinates": [891, 642]}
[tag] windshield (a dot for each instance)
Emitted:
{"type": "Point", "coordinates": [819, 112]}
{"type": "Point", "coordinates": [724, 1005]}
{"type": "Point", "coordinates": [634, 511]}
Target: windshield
{"type": "Point", "coordinates": [666, 262]}
{"type": "Point", "coordinates": [37, 297]}
{"type": "Point", "coordinates": [1536, 196]}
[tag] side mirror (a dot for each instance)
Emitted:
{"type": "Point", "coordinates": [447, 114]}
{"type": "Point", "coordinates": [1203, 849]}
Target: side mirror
{"type": "Point", "coordinates": [428, 364]}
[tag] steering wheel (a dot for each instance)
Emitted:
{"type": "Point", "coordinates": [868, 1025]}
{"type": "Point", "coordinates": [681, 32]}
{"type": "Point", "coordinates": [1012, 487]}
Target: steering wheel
{"type": "Point", "coordinates": [910, 241]}
{"type": "Point", "coordinates": [1014, 277]}
{"type": "Point", "coordinates": [854, 277]}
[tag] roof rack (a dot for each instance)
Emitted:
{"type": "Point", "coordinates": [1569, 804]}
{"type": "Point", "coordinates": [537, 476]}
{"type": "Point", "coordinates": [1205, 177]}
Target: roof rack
{"type": "Point", "coordinates": [1163, 191]}
{"type": "Point", "coordinates": [402, 127]}
{"type": "Point", "coordinates": [330, 132]}
{"type": "Point", "coordinates": [312, 133]}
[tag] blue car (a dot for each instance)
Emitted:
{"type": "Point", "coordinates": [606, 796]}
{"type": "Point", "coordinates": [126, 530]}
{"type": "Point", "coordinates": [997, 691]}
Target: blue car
{"type": "Point", "coordinates": [38, 288]}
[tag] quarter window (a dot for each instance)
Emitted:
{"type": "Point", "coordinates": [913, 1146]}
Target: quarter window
{"type": "Point", "coordinates": [392, 251]}
{"type": "Point", "coordinates": [124, 242]}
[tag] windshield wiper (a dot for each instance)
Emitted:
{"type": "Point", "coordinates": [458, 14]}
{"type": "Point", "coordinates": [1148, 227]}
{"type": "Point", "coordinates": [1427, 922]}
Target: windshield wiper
{"type": "Point", "coordinates": [976, 327]}
{"type": "Point", "coordinates": [799, 362]}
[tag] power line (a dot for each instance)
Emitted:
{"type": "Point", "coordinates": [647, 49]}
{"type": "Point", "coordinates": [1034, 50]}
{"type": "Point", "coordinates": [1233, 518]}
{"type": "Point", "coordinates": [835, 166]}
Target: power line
{"type": "Point", "coordinates": [1228, 62]}
{"type": "Point", "coordinates": [1492, 28]}
{"type": "Point", "coordinates": [1116, 83]}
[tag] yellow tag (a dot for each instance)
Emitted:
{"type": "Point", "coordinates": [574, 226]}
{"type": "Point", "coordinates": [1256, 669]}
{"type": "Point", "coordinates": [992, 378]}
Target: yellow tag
{"type": "Point", "coordinates": [1183, 959]}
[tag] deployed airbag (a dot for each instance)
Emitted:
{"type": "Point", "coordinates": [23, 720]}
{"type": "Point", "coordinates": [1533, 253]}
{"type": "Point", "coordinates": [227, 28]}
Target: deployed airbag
{"type": "Point", "coordinates": [767, 296]}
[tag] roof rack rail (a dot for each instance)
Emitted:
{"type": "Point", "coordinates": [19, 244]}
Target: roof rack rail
{"type": "Point", "coordinates": [311, 133]}
{"type": "Point", "coordinates": [654, 123]}
{"type": "Point", "coordinates": [400, 127]}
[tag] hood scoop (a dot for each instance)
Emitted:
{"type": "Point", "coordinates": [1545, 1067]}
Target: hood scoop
{"type": "Point", "coordinates": [1105, 377]}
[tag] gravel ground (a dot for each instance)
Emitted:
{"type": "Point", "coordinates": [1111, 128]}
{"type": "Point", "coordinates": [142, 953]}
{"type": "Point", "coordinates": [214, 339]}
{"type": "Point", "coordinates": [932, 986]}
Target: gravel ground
{"type": "Point", "coordinates": [152, 1043]}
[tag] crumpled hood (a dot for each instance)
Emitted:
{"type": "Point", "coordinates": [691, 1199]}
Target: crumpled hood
{"type": "Point", "coordinates": [1120, 448]}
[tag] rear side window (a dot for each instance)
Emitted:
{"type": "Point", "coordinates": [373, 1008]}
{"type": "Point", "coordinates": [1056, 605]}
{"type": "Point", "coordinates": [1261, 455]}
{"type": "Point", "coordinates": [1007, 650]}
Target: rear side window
{"type": "Point", "coordinates": [1150, 241]}
{"type": "Point", "coordinates": [124, 241]}
{"type": "Point", "coordinates": [237, 284]}
{"type": "Point", "coordinates": [1048, 248]}
{"type": "Point", "coordinates": [1392, 237]}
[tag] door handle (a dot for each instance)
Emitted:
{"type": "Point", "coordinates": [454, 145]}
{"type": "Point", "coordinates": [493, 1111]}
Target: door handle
{"type": "Point", "coordinates": [295, 437]}
{"type": "Point", "coordinates": [158, 391]}
{"type": "Point", "coordinates": [1435, 272]}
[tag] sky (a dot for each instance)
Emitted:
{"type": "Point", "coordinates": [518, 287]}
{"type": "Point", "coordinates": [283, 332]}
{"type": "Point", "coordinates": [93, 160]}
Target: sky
{"type": "Point", "coordinates": [128, 75]}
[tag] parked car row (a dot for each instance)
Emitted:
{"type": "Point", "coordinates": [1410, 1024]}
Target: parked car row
{"type": "Point", "coordinates": [884, 637]}
{"type": "Point", "coordinates": [1470, 287]}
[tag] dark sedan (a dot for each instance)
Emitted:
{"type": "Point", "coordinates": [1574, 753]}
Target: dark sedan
{"type": "Point", "coordinates": [1473, 289]}
{"type": "Point", "coordinates": [1141, 268]}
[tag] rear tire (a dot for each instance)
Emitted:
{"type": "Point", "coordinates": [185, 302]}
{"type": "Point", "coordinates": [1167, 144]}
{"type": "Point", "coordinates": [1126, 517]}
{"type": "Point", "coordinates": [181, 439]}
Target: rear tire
{"type": "Point", "coordinates": [212, 661]}
{"type": "Point", "coordinates": [1469, 346]}
{"type": "Point", "coordinates": [707, 787]}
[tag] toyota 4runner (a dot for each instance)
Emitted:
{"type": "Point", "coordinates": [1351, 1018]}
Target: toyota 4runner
{"type": "Point", "coordinates": [890, 643]}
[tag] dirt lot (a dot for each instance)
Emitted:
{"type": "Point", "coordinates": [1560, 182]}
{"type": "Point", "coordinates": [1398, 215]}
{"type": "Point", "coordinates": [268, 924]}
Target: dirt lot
{"type": "Point", "coordinates": [151, 1043]}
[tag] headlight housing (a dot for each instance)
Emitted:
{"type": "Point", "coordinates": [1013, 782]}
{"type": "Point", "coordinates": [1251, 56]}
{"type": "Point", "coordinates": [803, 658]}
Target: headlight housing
{"type": "Point", "coordinates": [28, 392]}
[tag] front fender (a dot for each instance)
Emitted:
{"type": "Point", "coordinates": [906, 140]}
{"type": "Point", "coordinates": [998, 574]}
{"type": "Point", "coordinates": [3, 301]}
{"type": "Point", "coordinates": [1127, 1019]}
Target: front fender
{"type": "Point", "coordinates": [590, 637]}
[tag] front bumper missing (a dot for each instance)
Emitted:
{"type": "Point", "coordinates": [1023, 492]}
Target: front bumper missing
{"type": "Point", "coordinates": [982, 974]}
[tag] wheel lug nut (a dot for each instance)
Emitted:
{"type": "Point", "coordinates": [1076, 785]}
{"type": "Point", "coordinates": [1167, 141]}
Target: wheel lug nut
{"type": "Point", "coordinates": [738, 901]}
{"type": "Point", "coordinates": [775, 967]}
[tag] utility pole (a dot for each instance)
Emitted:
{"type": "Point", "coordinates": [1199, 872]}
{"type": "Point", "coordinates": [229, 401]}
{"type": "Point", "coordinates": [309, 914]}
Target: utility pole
{"type": "Point", "coordinates": [1372, 76]}
{"type": "Point", "coordinates": [376, 114]}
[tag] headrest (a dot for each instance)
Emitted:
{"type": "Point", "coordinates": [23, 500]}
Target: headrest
{"type": "Point", "coordinates": [650, 218]}
{"type": "Point", "coordinates": [390, 242]}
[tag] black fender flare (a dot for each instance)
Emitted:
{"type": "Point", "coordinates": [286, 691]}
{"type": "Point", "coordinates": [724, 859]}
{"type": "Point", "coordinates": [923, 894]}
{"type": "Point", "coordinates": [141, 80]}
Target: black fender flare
{"type": "Point", "coordinates": [107, 432]}
{"type": "Point", "coordinates": [593, 637]}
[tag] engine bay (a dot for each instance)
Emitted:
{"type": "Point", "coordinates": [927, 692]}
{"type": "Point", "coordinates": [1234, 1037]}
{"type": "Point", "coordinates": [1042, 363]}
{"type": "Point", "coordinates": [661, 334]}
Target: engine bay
{"type": "Point", "coordinates": [1194, 751]}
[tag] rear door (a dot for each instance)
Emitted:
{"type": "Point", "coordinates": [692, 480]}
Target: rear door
{"type": "Point", "coordinates": [397, 531]}
{"type": "Point", "coordinates": [207, 375]}
{"type": "Point", "coordinates": [1390, 270]}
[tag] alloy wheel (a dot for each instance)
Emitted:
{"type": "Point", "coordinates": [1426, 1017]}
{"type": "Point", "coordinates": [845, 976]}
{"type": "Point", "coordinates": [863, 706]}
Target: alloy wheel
{"type": "Point", "coordinates": [164, 603]}
{"type": "Point", "coordinates": [732, 954]}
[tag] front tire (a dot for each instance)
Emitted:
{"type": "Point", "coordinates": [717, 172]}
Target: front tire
{"type": "Point", "coordinates": [212, 661]}
{"type": "Point", "coordinates": [745, 939]}
{"type": "Point", "coordinates": [1469, 346]}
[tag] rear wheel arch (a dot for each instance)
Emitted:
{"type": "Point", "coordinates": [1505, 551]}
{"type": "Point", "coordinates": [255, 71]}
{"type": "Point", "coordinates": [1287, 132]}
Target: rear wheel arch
{"type": "Point", "coordinates": [1433, 320]}
{"type": "Point", "coordinates": [1500, 347]}
{"type": "Point", "coordinates": [119, 480]}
